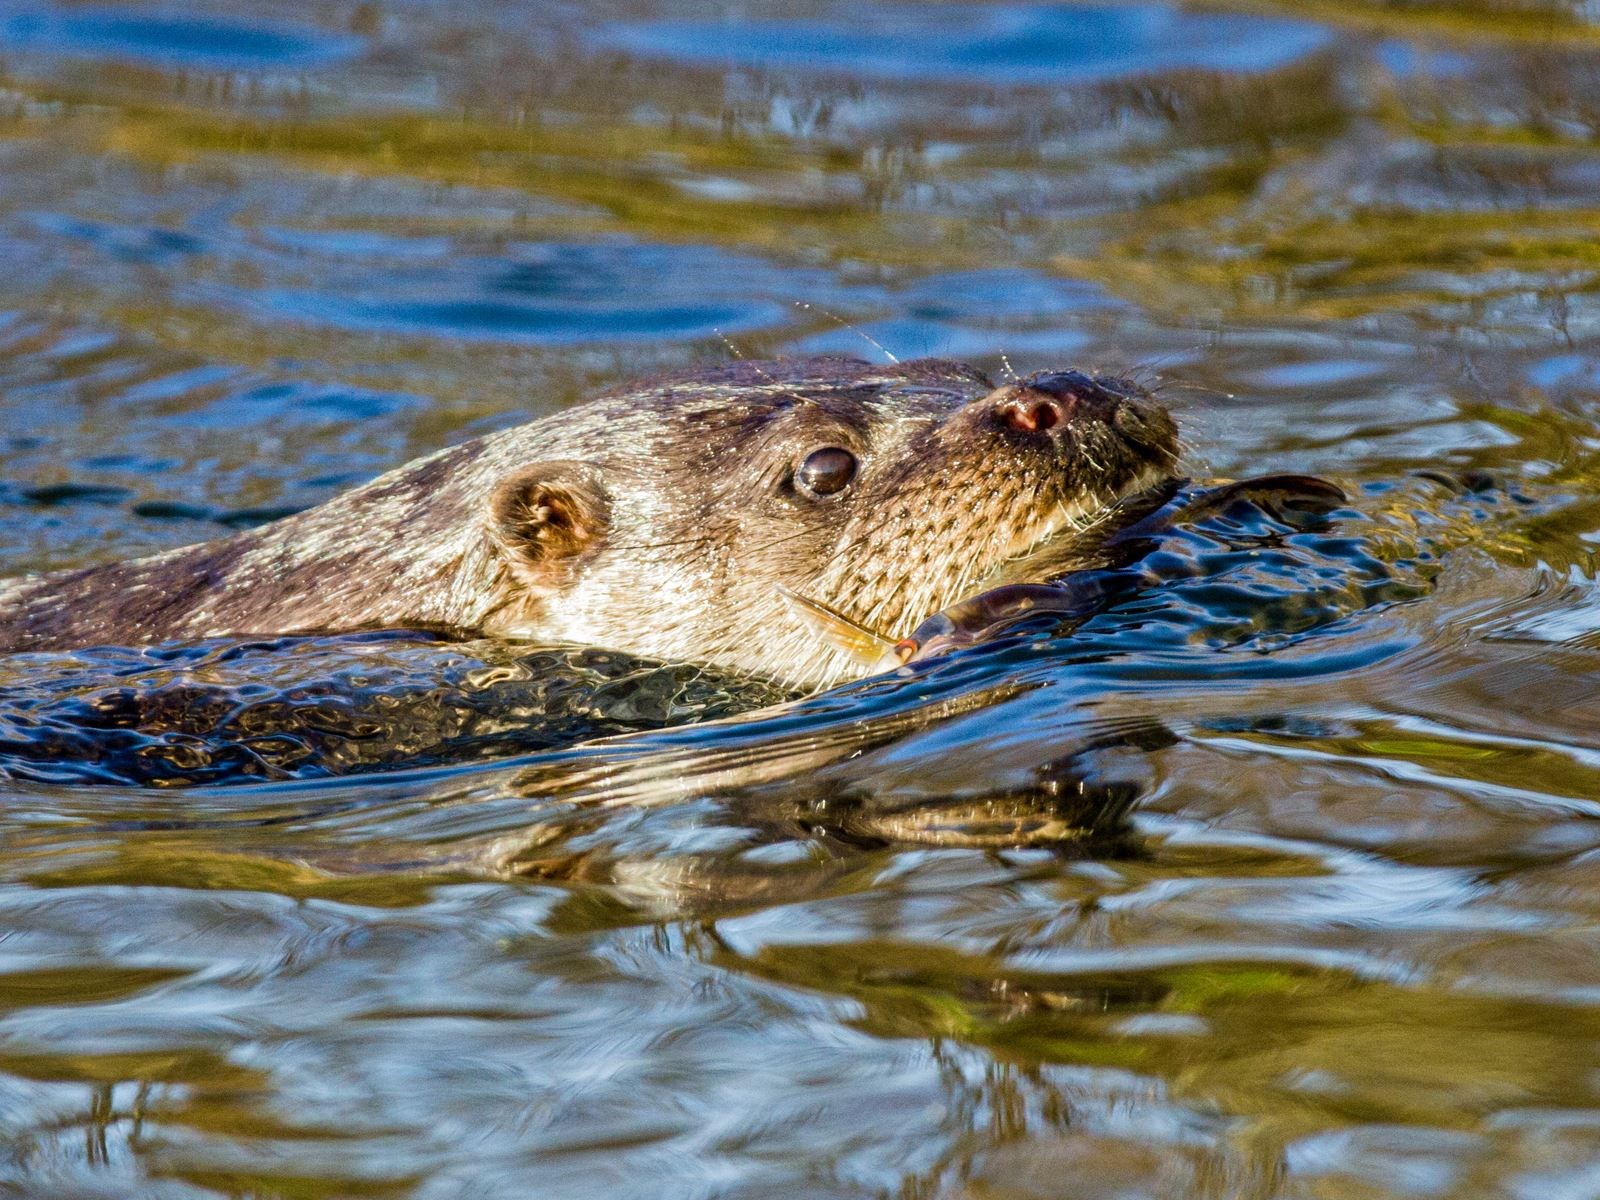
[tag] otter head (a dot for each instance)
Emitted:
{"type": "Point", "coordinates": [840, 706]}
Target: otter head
{"type": "Point", "coordinates": [673, 518]}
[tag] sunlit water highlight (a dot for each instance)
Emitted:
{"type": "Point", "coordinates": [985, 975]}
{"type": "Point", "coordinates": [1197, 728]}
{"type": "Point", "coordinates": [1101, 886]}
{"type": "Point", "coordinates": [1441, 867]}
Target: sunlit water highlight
{"type": "Point", "coordinates": [1276, 875]}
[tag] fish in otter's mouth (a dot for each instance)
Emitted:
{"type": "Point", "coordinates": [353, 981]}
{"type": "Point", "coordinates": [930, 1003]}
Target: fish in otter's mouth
{"type": "Point", "coordinates": [668, 519]}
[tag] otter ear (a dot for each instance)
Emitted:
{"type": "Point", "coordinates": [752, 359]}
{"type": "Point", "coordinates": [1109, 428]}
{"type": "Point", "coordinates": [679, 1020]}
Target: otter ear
{"type": "Point", "coordinates": [548, 516]}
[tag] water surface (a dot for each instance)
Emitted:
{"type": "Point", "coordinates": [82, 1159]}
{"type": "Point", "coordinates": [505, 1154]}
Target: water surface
{"type": "Point", "coordinates": [1276, 876]}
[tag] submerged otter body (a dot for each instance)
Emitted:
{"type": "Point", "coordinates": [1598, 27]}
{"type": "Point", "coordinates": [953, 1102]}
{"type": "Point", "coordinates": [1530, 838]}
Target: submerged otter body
{"type": "Point", "coordinates": [665, 519]}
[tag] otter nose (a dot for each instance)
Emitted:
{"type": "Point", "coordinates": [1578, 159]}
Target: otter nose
{"type": "Point", "coordinates": [1045, 402]}
{"type": "Point", "coordinates": [1033, 412]}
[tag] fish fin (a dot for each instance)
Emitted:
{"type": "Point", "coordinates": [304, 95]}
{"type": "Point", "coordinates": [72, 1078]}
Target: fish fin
{"type": "Point", "coordinates": [836, 629]}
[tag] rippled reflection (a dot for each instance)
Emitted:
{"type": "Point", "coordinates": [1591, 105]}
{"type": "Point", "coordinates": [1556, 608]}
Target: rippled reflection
{"type": "Point", "coordinates": [1275, 872]}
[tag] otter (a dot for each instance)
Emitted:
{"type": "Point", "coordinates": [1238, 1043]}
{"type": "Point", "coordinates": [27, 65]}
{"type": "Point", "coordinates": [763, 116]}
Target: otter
{"type": "Point", "coordinates": [667, 519]}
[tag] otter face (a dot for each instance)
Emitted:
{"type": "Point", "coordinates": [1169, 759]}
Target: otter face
{"type": "Point", "coordinates": [883, 492]}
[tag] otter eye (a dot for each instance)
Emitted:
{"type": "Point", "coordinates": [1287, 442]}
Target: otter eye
{"type": "Point", "coordinates": [826, 472]}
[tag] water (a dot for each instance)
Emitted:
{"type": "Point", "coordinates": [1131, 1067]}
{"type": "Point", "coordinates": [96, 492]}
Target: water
{"type": "Point", "coordinates": [1278, 875]}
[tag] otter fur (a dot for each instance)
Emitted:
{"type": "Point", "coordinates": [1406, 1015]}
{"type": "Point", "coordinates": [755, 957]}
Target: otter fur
{"type": "Point", "coordinates": [663, 519]}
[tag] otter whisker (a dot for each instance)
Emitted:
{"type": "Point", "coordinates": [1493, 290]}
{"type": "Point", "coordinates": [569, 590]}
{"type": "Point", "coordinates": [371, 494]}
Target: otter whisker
{"type": "Point", "coordinates": [646, 547]}
{"type": "Point", "coordinates": [1203, 389]}
{"type": "Point", "coordinates": [734, 350]}
{"type": "Point", "coordinates": [843, 324]}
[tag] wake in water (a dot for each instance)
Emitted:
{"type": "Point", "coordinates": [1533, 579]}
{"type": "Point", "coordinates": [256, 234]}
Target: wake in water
{"type": "Point", "coordinates": [1215, 569]}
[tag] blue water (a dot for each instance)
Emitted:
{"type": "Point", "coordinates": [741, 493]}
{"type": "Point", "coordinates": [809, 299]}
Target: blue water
{"type": "Point", "coordinates": [173, 38]}
{"type": "Point", "coordinates": [1272, 873]}
{"type": "Point", "coordinates": [1009, 44]}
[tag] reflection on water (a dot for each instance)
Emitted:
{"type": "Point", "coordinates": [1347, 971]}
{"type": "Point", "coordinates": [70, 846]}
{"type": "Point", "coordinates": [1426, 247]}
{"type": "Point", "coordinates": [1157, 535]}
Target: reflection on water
{"type": "Point", "coordinates": [1015, 43]}
{"type": "Point", "coordinates": [171, 39]}
{"type": "Point", "coordinates": [233, 709]}
{"type": "Point", "coordinates": [551, 294]}
{"type": "Point", "coordinates": [1276, 874]}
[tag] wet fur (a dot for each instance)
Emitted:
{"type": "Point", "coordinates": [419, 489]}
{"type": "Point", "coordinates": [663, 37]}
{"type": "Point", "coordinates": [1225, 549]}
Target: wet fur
{"type": "Point", "coordinates": [656, 519]}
